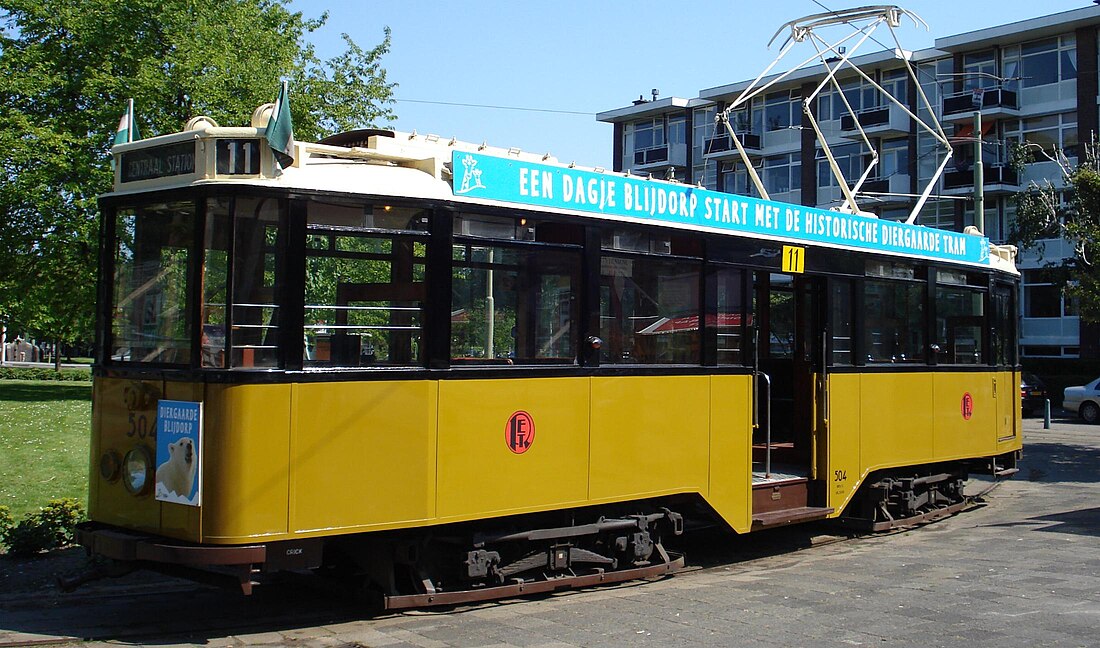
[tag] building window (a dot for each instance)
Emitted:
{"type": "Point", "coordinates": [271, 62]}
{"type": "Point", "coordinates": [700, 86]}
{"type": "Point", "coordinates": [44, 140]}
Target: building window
{"type": "Point", "coordinates": [895, 158]}
{"type": "Point", "coordinates": [980, 69]}
{"type": "Point", "coordinates": [852, 160]}
{"type": "Point", "coordinates": [782, 110]}
{"type": "Point", "coordinates": [896, 84]}
{"type": "Point", "coordinates": [783, 173]}
{"type": "Point", "coordinates": [1050, 132]}
{"type": "Point", "coordinates": [1041, 62]}
{"type": "Point", "coordinates": [703, 129]}
{"type": "Point", "coordinates": [1042, 297]}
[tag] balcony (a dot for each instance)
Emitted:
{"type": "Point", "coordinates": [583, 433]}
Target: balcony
{"type": "Point", "coordinates": [722, 147]}
{"type": "Point", "coordinates": [999, 179]}
{"type": "Point", "coordinates": [997, 103]}
{"type": "Point", "coordinates": [660, 158]}
{"type": "Point", "coordinates": [881, 121]}
{"type": "Point", "coordinates": [882, 192]}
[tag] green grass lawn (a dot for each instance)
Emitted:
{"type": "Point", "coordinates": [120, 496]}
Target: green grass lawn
{"type": "Point", "coordinates": [44, 433]}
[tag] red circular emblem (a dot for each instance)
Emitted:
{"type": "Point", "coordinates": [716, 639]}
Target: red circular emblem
{"type": "Point", "coordinates": [519, 433]}
{"type": "Point", "coordinates": [967, 406]}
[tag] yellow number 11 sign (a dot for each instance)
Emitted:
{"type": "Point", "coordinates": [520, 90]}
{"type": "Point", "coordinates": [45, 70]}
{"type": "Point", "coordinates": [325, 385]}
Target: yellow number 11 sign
{"type": "Point", "coordinates": [794, 259]}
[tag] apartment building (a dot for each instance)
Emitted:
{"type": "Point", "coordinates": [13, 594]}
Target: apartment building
{"type": "Point", "coordinates": [1034, 80]}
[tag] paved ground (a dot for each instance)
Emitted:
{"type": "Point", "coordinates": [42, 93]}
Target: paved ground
{"type": "Point", "coordinates": [1023, 570]}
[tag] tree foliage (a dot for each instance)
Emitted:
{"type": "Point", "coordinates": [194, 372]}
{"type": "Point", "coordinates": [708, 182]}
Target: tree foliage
{"type": "Point", "coordinates": [1070, 211]}
{"type": "Point", "coordinates": [67, 68]}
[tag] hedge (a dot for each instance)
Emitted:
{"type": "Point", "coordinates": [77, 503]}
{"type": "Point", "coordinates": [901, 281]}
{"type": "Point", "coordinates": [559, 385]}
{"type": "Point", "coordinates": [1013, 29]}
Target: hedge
{"type": "Point", "coordinates": [45, 373]}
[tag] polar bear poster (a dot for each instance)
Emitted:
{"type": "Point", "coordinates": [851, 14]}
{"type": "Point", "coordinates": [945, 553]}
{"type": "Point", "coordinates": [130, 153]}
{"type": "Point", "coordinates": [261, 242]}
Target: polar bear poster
{"type": "Point", "coordinates": [179, 452]}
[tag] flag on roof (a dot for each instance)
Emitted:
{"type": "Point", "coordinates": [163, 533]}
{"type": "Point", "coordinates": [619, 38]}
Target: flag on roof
{"type": "Point", "coordinates": [127, 127]}
{"type": "Point", "coordinates": [280, 129]}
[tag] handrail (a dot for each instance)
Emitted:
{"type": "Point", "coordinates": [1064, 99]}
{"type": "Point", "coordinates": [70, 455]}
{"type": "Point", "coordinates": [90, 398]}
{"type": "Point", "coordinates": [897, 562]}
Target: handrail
{"type": "Point", "coordinates": [767, 425]}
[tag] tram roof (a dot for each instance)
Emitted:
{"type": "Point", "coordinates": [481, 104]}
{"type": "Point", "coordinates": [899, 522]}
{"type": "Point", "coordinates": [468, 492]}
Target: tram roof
{"type": "Point", "coordinates": [412, 166]}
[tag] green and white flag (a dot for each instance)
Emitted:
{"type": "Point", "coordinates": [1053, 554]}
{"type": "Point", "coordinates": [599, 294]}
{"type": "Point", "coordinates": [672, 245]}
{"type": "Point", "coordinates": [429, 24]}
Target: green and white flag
{"type": "Point", "coordinates": [280, 129]}
{"type": "Point", "coordinates": [127, 127]}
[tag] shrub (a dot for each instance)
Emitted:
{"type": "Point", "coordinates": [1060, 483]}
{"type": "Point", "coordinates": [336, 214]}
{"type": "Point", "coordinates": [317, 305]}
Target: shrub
{"type": "Point", "coordinates": [51, 527]}
{"type": "Point", "coordinates": [44, 373]}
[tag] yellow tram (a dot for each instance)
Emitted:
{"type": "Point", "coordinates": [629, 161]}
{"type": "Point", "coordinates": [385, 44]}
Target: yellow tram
{"type": "Point", "coordinates": [462, 371]}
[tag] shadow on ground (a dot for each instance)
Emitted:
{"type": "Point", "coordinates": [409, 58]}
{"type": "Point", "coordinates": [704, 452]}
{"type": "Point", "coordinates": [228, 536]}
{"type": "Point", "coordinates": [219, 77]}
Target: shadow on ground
{"type": "Point", "coordinates": [1060, 462]}
{"type": "Point", "coordinates": [46, 390]}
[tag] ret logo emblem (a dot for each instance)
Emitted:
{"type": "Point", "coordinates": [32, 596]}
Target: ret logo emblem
{"type": "Point", "coordinates": [967, 406]}
{"type": "Point", "coordinates": [519, 433]}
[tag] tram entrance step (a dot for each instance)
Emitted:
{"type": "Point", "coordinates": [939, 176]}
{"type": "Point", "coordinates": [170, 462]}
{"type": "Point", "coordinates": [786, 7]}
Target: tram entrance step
{"type": "Point", "coordinates": [789, 516]}
{"type": "Point", "coordinates": [790, 493]}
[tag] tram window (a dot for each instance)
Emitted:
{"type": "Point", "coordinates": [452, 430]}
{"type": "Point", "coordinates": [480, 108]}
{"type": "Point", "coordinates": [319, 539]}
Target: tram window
{"type": "Point", "coordinates": [365, 290]}
{"type": "Point", "coordinates": [649, 310]}
{"type": "Point", "coordinates": [960, 322]}
{"type": "Point", "coordinates": [894, 321]}
{"type": "Point", "coordinates": [249, 337]}
{"type": "Point", "coordinates": [151, 288]}
{"type": "Point", "coordinates": [514, 305]}
{"type": "Point", "coordinates": [781, 317]}
{"type": "Point", "coordinates": [364, 300]}
{"type": "Point", "coordinates": [357, 215]}
{"type": "Point", "coordinates": [1004, 319]}
{"type": "Point", "coordinates": [730, 320]}
{"type": "Point", "coordinates": [498, 227]}
{"type": "Point", "coordinates": [627, 240]}
{"type": "Point", "coordinates": [215, 275]}
{"type": "Point", "coordinates": [841, 321]}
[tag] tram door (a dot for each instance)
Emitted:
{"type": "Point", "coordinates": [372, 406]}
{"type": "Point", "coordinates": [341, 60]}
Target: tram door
{"type": "Point", "coordinates": [789, 349]}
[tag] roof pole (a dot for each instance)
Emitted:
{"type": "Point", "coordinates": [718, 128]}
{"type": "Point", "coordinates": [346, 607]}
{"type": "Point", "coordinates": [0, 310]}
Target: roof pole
{"type": "Point", "coordinates": [979, 174]}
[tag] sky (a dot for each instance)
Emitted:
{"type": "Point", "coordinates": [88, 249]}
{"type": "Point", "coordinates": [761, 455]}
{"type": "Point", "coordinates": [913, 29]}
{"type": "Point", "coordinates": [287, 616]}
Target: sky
{"type": "Point", "coordinates": [533, 75]}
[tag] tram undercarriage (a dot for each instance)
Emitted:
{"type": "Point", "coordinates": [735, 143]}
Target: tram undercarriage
{"type": "Point", "coordinates": [464, 564]}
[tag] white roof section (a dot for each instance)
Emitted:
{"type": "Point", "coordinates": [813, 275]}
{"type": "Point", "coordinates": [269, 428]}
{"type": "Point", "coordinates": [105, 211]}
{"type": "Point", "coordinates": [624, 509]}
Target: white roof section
{"type": "Point", "coordinates": [643, 109]}
{"type": "Point", "coordinates": [1030, 29]}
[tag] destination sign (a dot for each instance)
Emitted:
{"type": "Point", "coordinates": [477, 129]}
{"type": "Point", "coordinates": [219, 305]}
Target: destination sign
{"type": "Point", "coordinates": [158, 162]}
{"type": "Point", "coordinates": [543, 185]}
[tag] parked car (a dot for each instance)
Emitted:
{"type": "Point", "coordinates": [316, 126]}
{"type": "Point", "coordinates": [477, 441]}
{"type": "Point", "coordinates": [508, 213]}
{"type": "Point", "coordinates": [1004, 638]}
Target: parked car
{"type": "Point", "coordinates": [1084, 401]}
{"type": "Point", "coordinates": [1033, 394]}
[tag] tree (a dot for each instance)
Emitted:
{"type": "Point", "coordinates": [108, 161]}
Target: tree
{"type": "Point", "coordinates": [67, 68]}
{"type": "Point", "coordinates": [1070, 212]}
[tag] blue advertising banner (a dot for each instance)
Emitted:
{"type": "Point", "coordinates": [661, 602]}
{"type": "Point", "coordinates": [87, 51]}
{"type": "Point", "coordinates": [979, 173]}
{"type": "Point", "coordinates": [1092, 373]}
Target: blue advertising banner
{"type": "Point", "coordinates": [544, 185]}
{"type": "Point", "coordinates": [179, 451]}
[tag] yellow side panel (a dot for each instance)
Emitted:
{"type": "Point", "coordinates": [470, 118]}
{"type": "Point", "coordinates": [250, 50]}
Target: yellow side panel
{"type": "Point", "coordinates": [246, 448]}
{"type": "Point", "coordinates": [125, 416]}
{"type": "Point", "coordinates": [480, 475]}
{"type": "Point", "coordinates": [650, 436]}
{"type": "Point", "coordinates": [955, 435]}
{"type": "Point", "coordinates": [363, 454]}
{"type": "Point", "coordinates": [894, 419]}
{"type": "Point", "coordinates": [178, 520]}
{"type": "Point", "coordinates": [844, 469]}
{"type": "Point", "coordinates": [730, 450]}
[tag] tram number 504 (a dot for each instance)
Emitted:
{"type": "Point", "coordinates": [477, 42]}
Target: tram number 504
{"type": "Point", "coordinates": [794, 259]}
{"type": "Point", "coordinates": [840, 475]}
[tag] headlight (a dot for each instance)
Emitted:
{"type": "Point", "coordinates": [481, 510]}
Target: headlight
{"type": "Point", "coordinates": [137, 468]}
{"type": "Point", "coordinates": [109, 465]}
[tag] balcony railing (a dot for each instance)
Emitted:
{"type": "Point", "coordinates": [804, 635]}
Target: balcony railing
{"type": "Point", "coordinates": [992, 175]}
{"type": "Point", "coordinates": [651, 155]}
{"type": "Point", "coordinates": [723, 143]}
{"type": "Point", "coordinates": [992, 99]}
{"type": "Point", "coordinates": [867, 118]}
